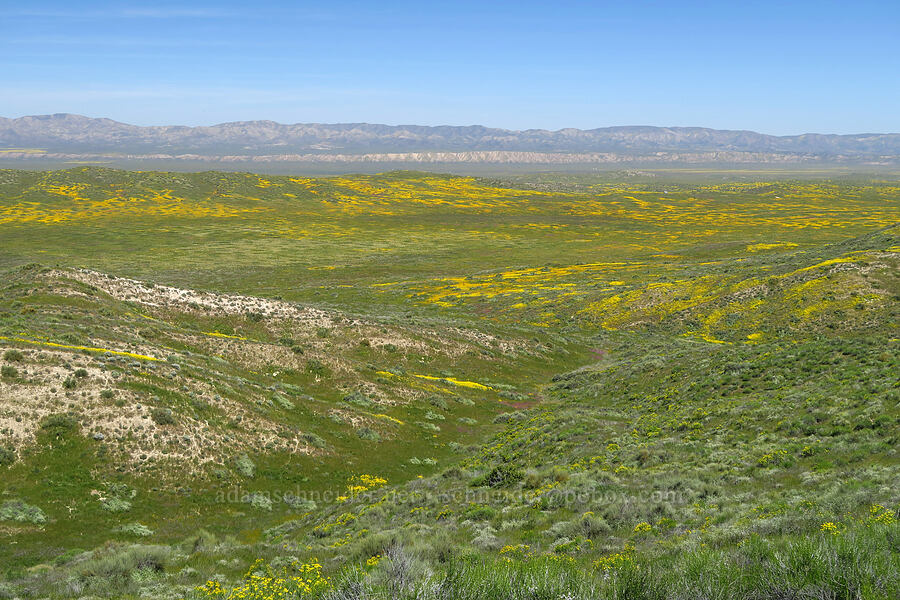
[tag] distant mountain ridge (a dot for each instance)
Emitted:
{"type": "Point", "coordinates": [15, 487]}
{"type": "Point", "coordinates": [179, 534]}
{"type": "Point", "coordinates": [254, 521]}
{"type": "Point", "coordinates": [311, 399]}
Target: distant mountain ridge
{"type": "Point", "coordinates": [70, 135]}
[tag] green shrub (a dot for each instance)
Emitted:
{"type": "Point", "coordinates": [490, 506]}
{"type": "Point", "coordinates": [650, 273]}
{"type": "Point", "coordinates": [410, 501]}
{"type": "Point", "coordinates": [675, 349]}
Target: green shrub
{"type": "Point", "coordinates": [316, 367]}
{"type": "Point", "coordinates": [117, 498]}
{"type": "Point", "coordinates": [283, 401]}
{"type": "Point", "coordinates": [480, 513]}
{"type": "Point", "coordinates": [13, 355]}
{"type": "Point", "coordinates": [9, 372]}
{"type": "Point", "coordinates": [358, 399]}
{"type": "Point", "coordinates": [59, 426]}
{"type": "Point", "coordinates": [593, 525]}
{"type": "Point", "coordinates": [314, 440]}
{"type": "Point", "coordinates": [114, 566]}
{"type": "Point", "coordinates": [438, 402]}
{"type": "Point", "coordinates": [81, 373]}
{"type": "Point", "coordinates": [115, 505]}
{"type": "Point", "coordinates": [8, 591]}
{"type": "Point", "coordinates": [136, 529]}
{"type": "Point", "coordinates": [7, 456]}
{"type": "Point", "coordinates": [244, 466]}
{"type": "Point", "coordinates": [162, 416]}
{"type": "Point", "coordinates": [298, 503]}
{"type": "Point", "coordinates": [367, 434]}
{"type": "Point", "coordinates": [21, 512]}
{"type": "Point", "coordinates": [510, 417]}
{"type": "Point", "coordinates": [260, 501]}
{"type": "Point", "coordinates": [499, 476]}
{"type": "Point", "coordinates": [279, 531]}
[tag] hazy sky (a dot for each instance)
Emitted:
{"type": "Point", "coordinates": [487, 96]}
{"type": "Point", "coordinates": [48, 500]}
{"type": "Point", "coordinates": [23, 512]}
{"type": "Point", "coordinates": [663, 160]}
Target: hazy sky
{"type": "Point", "coordinates": [777, 67]}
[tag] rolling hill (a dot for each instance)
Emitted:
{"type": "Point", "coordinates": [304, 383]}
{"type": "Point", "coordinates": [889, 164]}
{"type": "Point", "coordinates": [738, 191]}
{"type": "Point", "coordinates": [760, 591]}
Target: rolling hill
{"type": "Point", "coordinates": [411, 385]}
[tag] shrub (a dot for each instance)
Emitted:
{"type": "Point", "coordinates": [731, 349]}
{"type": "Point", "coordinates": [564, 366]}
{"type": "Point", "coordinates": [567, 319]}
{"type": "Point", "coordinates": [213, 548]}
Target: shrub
{"type": "Point", "coordinates": [313, 440]}
{"type": "Point", "coordinates": [260, 501]}
{"type": "Point", "coordinates": [59, 426]}
{"type": "Point", "coordinates": [244, 465]}
{"type": "Point", "coordinates": [367, 434]}
{"type": "Point", "coordinates": [438, 402]}
{"type": "Point", "coordinates": [115, 565]}
{"type": "Point", "coordinates": [316, 367]}
{"type": "Point", "coordinates": [81, 373]}
{"type": "Point", "coordinates": [358, 399]}
{"type": "Point", "coordinates": [136, 529]}
{"type": "Point", "coordinates": [510, 417]}
{"type": "Point", "coordinates": [7, 456]}
{"type": "Point", "coordinates": [9, 371]}
{"type": "Point", "coordinates": [283, 402]}
{"type": "Point", "coordinates": [298, 503]}
{"type": "Point", "coordinates": [486, 539]}
{"type": "Point", "coordinates": [20, 512]}
{"type": "Point", "coordinates": [481, 513]}
{"type": "Point", "coordinates": [202, 541]}
{"type": "Point", "coordinates": [107, 394]}
{"type": "Point", "coordinates": [70, 383]}
{"type": "Point", "coordinates": [162, 416]}
{"type": "Point", "coordinates": [499, 476]}
{"type": "Point", "coordinates": [13, 355]}
{"type": "Point", "coordinates": [279, 531]}
{"type": "Point", "coordinates": [593, 525]}
{"type": "Point", "coordinates": [115, 505]}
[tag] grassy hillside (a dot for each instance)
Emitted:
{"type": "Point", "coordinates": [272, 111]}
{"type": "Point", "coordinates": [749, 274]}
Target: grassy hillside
{"type": "Point", "coordinates": [423, 385]}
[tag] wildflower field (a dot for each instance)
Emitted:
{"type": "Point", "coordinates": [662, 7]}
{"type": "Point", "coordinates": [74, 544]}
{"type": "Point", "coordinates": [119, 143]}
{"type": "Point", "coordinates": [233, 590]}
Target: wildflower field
{"type": "Point", "coordinates": [416, 385]}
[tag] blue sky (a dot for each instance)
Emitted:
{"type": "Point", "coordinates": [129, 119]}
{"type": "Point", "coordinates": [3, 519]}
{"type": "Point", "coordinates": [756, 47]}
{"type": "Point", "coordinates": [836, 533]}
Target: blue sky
{"type": "Point", "coordinates": [776, 67]}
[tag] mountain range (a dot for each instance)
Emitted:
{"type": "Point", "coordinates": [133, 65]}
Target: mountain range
{"type": "Point", "coordinates": [65, 136]}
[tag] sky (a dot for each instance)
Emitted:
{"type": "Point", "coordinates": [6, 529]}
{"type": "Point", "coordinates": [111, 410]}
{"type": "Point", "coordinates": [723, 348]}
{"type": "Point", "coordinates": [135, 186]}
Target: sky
{"type": "Point", "coordinates": [782, 68]}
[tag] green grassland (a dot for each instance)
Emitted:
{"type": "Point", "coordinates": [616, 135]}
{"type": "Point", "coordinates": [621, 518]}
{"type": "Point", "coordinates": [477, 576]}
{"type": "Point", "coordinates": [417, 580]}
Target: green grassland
{"type": "Point", "coordinates": [422, 385]}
